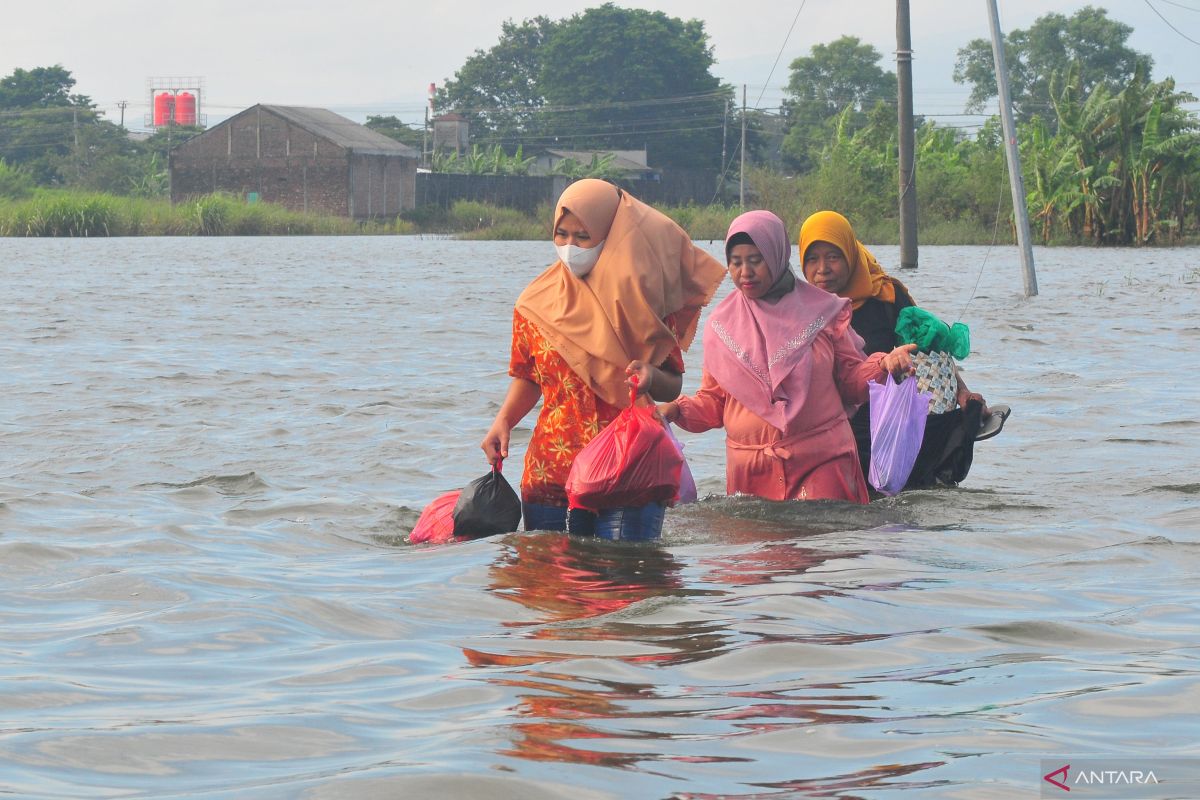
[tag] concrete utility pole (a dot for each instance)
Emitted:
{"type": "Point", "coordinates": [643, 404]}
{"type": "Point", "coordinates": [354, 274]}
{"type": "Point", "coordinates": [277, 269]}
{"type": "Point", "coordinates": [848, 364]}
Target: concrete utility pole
{"type": "Point", "coordinates": [904, 120]}
{"type": "Point", "coordinates": [1015, 181]}
{"type": "Point", "coordinates": [121, 105]}
{"type": "Point", "coordinates": [742, 169]}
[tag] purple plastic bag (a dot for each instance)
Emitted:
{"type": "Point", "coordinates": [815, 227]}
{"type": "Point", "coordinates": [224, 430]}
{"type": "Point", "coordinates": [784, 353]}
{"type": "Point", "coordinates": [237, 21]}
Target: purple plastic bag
{"type": "Point", "coordinates": [898, 413]}
{"type": "Point", "coordinates": [687, 484]}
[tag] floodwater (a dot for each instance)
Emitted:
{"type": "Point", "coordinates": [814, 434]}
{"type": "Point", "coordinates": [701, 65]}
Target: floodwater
{"type": "Point", "coordinates": [211, 451]}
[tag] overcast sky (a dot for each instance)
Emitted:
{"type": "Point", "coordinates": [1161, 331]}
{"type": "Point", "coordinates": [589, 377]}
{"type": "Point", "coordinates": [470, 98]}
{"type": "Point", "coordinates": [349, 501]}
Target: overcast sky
{"type": "Point", "coordinates": [362, 57]}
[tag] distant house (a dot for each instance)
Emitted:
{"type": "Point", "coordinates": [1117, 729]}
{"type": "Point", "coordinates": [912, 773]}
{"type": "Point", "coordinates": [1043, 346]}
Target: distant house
{"type": "Point", "coordinates": [630, 164]}
{"type": "Point", "coordinates": [307, 159]}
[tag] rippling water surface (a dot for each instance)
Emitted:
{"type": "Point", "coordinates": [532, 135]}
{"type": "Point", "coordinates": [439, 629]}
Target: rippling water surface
{"type": "Point", "coordinates": [211, 451]}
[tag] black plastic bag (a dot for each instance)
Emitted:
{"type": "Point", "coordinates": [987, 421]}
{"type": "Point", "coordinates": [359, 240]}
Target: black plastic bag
{"type": "Point", "coordinates": [487, 506]}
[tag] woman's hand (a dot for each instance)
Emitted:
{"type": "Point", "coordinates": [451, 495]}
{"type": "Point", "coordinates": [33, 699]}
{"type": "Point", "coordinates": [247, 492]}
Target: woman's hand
{"type": "Point", "coordinates": [668, 411]}
{"type": "Point", "coordinates": [495, 443]}
{"type": "Point", "coordinates": [965, 395]}
{"type": "Point", "coordinates": [899, 361]}
{"type": "Point", "coordinates": [653, 382]}
{"type": "Point", "coordinates": [643, 372]}
{"type": "Point", "coordinates": [522, 396]}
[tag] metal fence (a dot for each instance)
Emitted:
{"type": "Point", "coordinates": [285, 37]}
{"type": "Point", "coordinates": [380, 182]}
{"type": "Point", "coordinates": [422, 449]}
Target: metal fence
{"type": "Point", "coordinates": [529, 193]}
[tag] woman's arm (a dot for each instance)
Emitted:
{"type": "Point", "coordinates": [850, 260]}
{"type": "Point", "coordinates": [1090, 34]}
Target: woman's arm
{"type": "Point", "coordinates": [965, 395]}
{"type": "Point", "coordinates": [702, 412]}
{"type": "Point", "coordinates": [522, 396]}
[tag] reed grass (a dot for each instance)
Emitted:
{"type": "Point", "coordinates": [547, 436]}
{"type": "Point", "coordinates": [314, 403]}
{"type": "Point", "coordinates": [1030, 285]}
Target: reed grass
{"type": "Point", "coordinates": [77, 214]}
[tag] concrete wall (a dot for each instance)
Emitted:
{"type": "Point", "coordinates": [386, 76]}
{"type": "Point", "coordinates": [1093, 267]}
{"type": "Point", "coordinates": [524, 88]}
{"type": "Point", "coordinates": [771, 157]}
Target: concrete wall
{"type": "Point", "coordinates": [381, 186]}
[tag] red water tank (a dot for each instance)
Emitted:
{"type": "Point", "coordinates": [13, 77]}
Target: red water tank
{"type": "Point", "coordinates": [185, 108]}
{"type": "Point", "coordinates": [164, 107]}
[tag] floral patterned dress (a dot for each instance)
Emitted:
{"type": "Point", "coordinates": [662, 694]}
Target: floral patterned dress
{"type": "Point", "coordinates": [571, 414]}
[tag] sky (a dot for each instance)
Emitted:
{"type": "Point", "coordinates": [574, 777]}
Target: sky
{"type": "Point", "coordinates": [360, 57]}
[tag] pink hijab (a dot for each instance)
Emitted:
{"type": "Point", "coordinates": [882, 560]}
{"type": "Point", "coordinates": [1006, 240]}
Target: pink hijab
{"type": "Point", "coordinates": [761, 352]}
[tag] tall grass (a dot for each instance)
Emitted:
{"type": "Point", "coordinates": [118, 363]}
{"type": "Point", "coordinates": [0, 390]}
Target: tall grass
{"type": "Point", "coordinates": [68, 213]}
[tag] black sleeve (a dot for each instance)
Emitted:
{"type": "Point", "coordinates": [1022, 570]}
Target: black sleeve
{"type": "Point", "coordinates": [875, 322]}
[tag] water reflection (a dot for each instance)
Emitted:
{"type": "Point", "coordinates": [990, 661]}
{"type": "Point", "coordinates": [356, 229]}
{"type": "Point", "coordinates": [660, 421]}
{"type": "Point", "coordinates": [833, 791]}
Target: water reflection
{"type": "Point", "coordinates": [845, 787]}
{"type": "Point", "coordinates": [583, 593]}
{"type": "Point", "coordinates": [569, 577]}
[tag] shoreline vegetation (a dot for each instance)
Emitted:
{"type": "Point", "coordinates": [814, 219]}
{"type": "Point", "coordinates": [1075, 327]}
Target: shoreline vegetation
{"type": "Point", "coordinates": [75, 214]}
{"type": "Point", "coordinates": [70, 214]}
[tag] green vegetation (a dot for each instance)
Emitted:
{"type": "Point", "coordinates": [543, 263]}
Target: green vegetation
{"type": "Point", "coordinates": [596, 81]}
{"type": "Point", "coordinates": [50, 212]}
{"type": "Point", "coordinates": [483, 162]}
{"type": "Point", "coordinates": [1110, 155]}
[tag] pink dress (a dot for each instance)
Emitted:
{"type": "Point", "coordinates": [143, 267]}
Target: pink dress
{"type": "Point", "coordinates": [815, 458]}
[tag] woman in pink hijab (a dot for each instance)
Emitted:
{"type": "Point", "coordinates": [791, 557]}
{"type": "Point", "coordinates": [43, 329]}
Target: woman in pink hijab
{"type": "Point", "coordinates": [782, 367]}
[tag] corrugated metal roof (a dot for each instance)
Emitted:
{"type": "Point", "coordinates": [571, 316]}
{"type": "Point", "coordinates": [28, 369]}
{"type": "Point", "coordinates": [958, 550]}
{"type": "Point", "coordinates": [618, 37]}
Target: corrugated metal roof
{"type": "Point", "coordinates": [341, 131]}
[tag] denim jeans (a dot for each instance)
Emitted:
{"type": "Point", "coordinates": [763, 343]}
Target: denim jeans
{"type": "Point", "coordinates": [631, 524]}
{"type": "Point", "coordinates": [540, 517]}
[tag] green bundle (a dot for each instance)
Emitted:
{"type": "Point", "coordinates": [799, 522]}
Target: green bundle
{"type": "Point", "coordinates": [917, 326]}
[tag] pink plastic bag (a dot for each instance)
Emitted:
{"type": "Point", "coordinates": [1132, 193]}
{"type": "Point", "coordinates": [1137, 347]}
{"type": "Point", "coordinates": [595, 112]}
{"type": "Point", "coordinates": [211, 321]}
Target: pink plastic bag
{"type": "Point", "coordinates": [898, 412]}
{"type": "Point", "coordinates": [436, 523]}
{"type": "Point", "coordinates": [631, 463]}
{"type": "Point", "coordinates": [687, 484]}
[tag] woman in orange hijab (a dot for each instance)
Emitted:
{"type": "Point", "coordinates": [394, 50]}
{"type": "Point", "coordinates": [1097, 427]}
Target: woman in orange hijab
{"type": "Point", "coordinates": [622, 300]}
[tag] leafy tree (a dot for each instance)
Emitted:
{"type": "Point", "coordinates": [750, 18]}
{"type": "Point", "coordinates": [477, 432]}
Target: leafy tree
{"type": "Point", "coordinates": [1049, 47]}
{"type": "Point", "coordinates": [43, 127]}
{"type": "Point", "coordinates": [835, 77]}
{"type": "Point", "coordinates": [43, 87]}
{"type": "Point", "coordinates": [497, 90]}
{"type": "Point", "coordinates": [393, 128]}
{"type": "Point", "coordinates": [627, 78]}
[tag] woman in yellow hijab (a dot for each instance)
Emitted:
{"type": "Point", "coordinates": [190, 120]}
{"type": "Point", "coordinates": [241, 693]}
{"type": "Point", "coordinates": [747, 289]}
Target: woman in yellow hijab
{"type": "Point", "coordinates": [833, 259]}
{"type": "Point", "coordinates": [623, 299]}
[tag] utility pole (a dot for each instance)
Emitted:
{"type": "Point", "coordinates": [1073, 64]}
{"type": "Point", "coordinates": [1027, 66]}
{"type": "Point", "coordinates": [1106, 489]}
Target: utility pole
{"type": "Point", "coordinates": [425, 140]}
{"type": "Point", "coordinates": [904, 119]}
{"type": "Point", "coordinates": [121, 105]}
{"type": "Point", "coordinates": [724, 139]}
{"type": "Point", "coordinates": [75, 131]}
{"type": "Point", "coordinates": [1015, 181]}
{"type": "Point", "coordinates": [742, 168]}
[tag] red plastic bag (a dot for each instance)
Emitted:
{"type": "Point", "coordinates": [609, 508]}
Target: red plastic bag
{"type": "Point", "coordinates": [436, 523]}
{"type": "Point", "coordinates": [631, 463]}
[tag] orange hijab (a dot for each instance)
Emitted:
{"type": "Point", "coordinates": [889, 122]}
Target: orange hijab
{"type": "Point", "coordinates": [648, 269]}
{"type": "Point", "coordinates": [867, 278]}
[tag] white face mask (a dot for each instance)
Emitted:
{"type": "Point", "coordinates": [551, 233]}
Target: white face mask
{"type": "Point", "coordinates": [579, 260]}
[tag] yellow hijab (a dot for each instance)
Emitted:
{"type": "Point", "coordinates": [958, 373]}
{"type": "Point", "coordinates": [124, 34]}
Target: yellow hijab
{"type": "Point", "coordinates": [867, 278]}
{"type": "Point", "coordinates": [648, 269]}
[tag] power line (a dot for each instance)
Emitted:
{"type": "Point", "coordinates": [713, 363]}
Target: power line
{"type": "Point", "coordinates": [1180, 5]}
{"type": "Point", "coordinates": [781, 49]}
{"type": "Point", "coordinates": [1169, 25]}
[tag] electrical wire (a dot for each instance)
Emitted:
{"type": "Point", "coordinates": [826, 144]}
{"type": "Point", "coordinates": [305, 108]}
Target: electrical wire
{"type": "Point", "coordinates": [986, 255]}
{"type": "Point", "coordinates": [1168, 23]}
{"type": "Point", "coordinates": [782, 47]}
{"type": "Point", "coordinates": [1180, 5]}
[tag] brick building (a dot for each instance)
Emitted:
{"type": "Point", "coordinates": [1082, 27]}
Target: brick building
{"type": "Point", "coordinates": [307, 159]}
